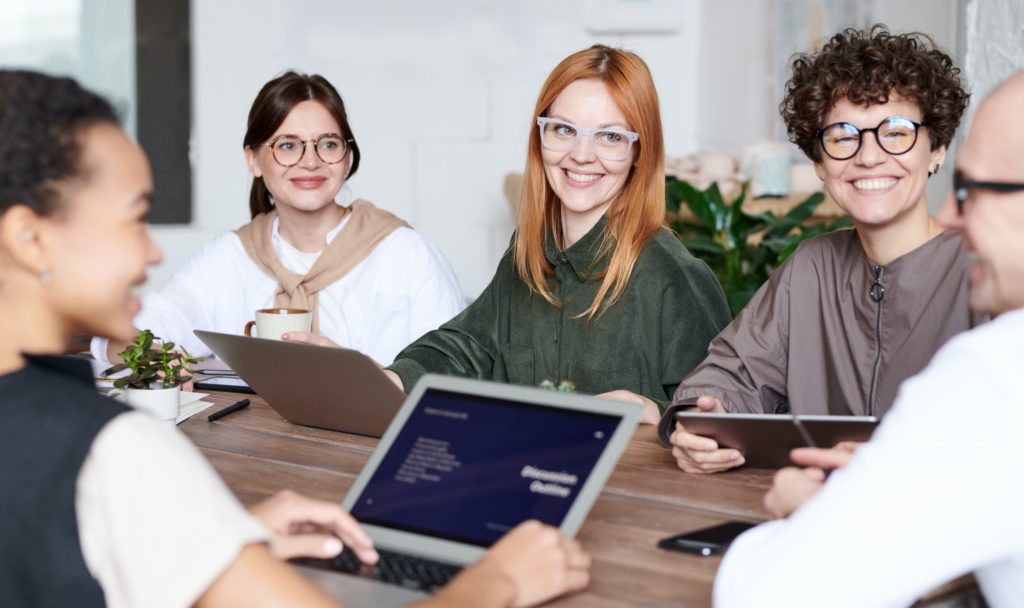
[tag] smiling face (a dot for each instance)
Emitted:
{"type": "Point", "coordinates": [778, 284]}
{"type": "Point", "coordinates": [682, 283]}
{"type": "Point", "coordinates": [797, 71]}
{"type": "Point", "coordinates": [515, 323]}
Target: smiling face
{"type": "Point", "coordinates": [992, 222]}
{"type": "Point", "coordinates": [311, 184]}
{"type": "Point", "coordinates": [585, 184]}
{"type": "Point", "coordinates": [876, 188]}
{"type": "Point", "coordinates": [97, 244]}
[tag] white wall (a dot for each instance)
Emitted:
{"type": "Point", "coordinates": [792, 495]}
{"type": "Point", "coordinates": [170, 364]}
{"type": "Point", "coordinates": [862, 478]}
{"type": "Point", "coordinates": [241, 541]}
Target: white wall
{"type": "Point", "coordinates": [994, 35]}
{"type": "Point", "coordinates": [440, 96]}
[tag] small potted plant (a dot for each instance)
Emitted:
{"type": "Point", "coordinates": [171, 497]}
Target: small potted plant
{"type": "Point", "coordinates": [157, 372]}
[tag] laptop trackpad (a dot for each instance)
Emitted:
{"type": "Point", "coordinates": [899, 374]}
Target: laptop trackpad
{"type": "Point", "coordinates": [355, 591]}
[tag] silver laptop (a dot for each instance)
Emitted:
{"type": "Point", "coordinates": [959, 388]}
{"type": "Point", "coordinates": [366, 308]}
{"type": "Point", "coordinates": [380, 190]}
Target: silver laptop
{"type": "Point", "coordinates": [463, 462]}
{"type": "Point", "coordinates": [329, 388]}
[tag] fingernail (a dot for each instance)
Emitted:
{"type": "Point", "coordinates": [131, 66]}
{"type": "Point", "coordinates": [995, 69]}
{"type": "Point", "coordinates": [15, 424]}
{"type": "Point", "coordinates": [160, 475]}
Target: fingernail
{"type": "Point", "coordinates": [332, 546]}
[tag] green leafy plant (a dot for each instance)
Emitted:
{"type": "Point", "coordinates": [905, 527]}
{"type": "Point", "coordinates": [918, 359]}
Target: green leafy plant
{"type": "Point", "coordinates": [565, 386]}
{"type": "Point", "coordinates": [741, 248]}
{"type": "Point", "coordinates": [153, 362]}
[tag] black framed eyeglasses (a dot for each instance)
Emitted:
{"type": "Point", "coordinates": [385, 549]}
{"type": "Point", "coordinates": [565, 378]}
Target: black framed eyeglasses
{"type": "Point", "coordinates": [963, 186]}
{"type": "Point", "coordinates": [896, 135]}
{"type": "Point", "coordinates": [288, 150]}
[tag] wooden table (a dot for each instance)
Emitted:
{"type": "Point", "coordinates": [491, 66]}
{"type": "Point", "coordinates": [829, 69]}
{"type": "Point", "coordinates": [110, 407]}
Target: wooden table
{"type": "Point", "coordinates": [258, 453]}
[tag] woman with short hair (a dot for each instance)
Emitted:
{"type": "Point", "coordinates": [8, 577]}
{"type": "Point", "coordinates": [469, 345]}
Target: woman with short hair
{"type": "Point", "coordinates": [850, 314]}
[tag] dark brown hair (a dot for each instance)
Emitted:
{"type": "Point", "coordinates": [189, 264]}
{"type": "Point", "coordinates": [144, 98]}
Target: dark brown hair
{"type": "Point", "coordinates": [273, 103]}
{"type": "Point", "coordinates": [867, 67]}
{"type": "Point", "coordinates": [42, 119]}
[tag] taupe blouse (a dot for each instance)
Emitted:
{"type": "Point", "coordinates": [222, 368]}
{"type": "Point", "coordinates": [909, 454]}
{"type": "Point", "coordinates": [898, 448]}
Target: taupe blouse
{"type": "Point", "coordinates": [834, 333]}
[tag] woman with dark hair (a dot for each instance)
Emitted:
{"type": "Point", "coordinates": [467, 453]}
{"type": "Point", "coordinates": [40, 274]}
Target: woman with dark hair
{"type": "Point", "coordinates": [371, 282]}
{"type": "Point", "coordinates": [103, 505]}
{"type": "Point", "coordinates": [850, 314]}
{"type": "Point", "coordinates": [594, 289]}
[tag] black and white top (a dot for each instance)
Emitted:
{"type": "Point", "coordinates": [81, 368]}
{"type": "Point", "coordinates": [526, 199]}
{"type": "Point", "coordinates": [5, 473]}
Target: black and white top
{"type": "Point", "coordinates": [103, 504]}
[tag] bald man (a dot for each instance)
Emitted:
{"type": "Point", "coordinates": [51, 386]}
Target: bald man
{"type": "Point", "coordinates": [937, 492]}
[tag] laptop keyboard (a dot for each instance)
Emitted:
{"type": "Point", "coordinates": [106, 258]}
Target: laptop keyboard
{"type": "Point", "coordinates": [408, 571]}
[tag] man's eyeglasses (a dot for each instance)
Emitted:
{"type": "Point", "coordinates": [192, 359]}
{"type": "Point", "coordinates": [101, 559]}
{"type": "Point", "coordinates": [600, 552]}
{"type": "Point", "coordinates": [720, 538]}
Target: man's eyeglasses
{"type": "Point", "coordinates": [289, 149]}
{"type": "Point", "coordinates": [962, 188]}
{"type": "Point", "coordinates": [842, 140]}
{"type": "Point", "coordinates": [609, 144]}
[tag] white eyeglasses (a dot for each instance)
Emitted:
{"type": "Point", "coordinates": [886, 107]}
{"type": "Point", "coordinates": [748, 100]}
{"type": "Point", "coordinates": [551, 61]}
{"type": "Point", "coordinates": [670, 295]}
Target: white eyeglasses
{"type": "Point", "coordinates": [609, 144]}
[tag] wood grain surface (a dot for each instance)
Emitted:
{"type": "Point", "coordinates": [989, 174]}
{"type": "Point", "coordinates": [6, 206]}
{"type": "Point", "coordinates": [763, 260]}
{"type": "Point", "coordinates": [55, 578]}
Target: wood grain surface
{"type": "Point", "coordinates": [258, 453]}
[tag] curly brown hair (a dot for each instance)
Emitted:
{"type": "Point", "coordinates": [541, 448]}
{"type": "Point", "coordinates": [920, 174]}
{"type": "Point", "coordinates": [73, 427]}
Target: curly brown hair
{"type": "Point", "coordinates": [867, 67]}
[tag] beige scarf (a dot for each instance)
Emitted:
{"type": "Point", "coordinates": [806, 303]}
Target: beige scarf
{"type": "Point", "coordinates": [364, 231]}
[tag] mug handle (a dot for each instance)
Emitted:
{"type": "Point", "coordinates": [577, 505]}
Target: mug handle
{"type": "Point", "coordinates": [248, 328]}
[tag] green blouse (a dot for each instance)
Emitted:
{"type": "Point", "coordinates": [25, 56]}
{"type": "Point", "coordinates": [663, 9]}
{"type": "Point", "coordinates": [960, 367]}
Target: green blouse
{"type": "Point", "coordinates": [657, 331]}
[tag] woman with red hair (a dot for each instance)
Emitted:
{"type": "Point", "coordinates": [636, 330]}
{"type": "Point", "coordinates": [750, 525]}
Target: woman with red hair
{"type": "Point", "coordinates": [594, 288]}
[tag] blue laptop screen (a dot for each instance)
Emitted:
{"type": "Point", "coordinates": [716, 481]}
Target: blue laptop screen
{"type": "Point", "coordinates": [469, 468]}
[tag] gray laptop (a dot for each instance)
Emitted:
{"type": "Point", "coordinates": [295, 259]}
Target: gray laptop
{"type": "Point", "coordinates": [463, 462]}
{"type": "Point", "coordinates": [329, 388]}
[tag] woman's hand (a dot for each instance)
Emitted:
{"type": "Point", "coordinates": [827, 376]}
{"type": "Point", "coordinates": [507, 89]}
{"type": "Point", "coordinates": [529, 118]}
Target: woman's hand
{"type": "Point", "coordinates": [303, 527]}
{"type": "Point", "coordinates": [308, 337]}
{"type": "Point", "coordinates": [392, 376]}
{"type": "Point", "coordinates": [531, 564]}
{"type": "Point", "coordinates": [651, 413]}
{"type": "Point", "coordinates": [697, 454]}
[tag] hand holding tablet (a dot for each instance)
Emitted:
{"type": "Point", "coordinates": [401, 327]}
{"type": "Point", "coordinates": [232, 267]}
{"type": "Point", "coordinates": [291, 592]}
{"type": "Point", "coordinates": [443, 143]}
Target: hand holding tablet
{"type": "Point", "coordinates": [765, 440]}
{"type": "Point", "coordinates": [697, 454]}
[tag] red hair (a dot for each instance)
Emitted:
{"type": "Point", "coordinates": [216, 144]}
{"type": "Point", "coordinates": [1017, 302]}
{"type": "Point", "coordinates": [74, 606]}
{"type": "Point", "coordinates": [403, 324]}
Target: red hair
{"type": "Point", "coordinates": [636, 214]}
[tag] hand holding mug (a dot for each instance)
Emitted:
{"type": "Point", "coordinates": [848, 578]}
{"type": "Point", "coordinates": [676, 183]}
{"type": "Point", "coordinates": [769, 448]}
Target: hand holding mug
{"type": "Point", "coordinates": [271, 323]}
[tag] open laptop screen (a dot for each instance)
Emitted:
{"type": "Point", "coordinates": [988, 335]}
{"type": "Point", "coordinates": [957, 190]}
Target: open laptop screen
{"type": "Point", "coordinates": [469, 468]}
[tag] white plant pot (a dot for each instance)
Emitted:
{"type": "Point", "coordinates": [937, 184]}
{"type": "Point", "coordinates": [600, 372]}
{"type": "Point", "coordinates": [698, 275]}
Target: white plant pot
{"type": "Point", "coordinates": [161, 403]}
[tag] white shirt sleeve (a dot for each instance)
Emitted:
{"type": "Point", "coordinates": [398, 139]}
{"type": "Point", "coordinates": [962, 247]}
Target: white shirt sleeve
{"type": "Point", "coordinates": [932, 496]}
{"type": "Point", "coordinates": [408, 288]}
{"type": "Point", "coordinates": [436, 294]}
{"type": "Point", "coordinates": [156, 524]}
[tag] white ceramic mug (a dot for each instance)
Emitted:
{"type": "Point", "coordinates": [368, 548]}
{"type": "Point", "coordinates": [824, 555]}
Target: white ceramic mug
{"type": "Point", "coordinates": [161, 403]}
{"type": "Point", "coordinates": [272, 322]}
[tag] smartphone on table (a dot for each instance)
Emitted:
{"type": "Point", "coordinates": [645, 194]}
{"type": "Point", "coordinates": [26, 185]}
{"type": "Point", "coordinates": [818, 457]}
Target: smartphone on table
{"type": "Point", "coordinates": [233, 385]}
{"type": "Point", "coordinates": [706, 541]}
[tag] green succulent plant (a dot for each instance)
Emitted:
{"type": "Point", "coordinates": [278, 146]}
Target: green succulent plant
{"type": "Point", "coordinates": [153, 362]}
{"type": "Point", "coordinates": [741, 248]}
{"type": "Point", "coordinates": [565, 386]}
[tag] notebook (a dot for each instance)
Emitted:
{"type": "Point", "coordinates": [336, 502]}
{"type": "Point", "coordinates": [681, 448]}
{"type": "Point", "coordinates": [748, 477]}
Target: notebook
{"type": "Point", "coordinates": [463, 462]}
{"type": "Point", "coordinates": [329, 388]}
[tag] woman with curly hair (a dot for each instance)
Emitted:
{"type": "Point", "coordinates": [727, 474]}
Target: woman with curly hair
{"type": "Point", "coordinates": [850, 314]}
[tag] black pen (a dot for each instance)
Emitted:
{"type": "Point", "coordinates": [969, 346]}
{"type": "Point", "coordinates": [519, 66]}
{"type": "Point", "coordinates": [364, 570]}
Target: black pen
{"type": "Point", "coordinates": [108, 371]}
{"type": "Point", "coordinates": [231, 409]}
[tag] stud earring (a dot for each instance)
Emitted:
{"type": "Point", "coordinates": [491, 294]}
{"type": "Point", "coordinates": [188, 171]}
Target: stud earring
{"type": "Point", "coordinates": [45, 277]}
